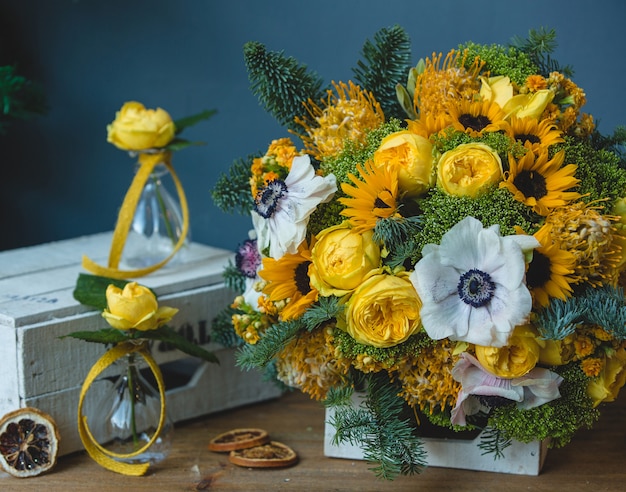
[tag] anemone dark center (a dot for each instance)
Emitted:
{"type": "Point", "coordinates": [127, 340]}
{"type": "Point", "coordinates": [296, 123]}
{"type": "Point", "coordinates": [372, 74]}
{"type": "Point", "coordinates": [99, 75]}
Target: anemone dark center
{"type": "Point", "coordinates": [301, 277]}
{"type": "Point", "coordinates": [531, 184]}
{"type": "Point", "coordinates": [527, 137]}
{"type": "Point", "coordinates": [538, 272]}
{"type": "Point", "coordinates": [476, 288]}
{"type": "Point", "coordinates": [267, 199]}
{"type": "Point", "coordinates": [477, 123]}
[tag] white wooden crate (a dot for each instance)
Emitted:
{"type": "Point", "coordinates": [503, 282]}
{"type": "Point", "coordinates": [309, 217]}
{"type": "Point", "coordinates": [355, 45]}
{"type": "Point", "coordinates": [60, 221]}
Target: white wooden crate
{"type": "Point", "coordinates": [519, 458]}
{"type": "Point", "coordinates": [37, 307]}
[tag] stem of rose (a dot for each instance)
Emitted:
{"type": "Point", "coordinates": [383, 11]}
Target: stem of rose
{"type": "Point", "coordinates": [166, 218]}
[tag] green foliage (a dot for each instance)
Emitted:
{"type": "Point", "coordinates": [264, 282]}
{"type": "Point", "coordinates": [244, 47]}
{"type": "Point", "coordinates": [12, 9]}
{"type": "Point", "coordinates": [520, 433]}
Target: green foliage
{"type": "Point", "coordinates": [396, 234]}
{"type": "Point", "coordinates": [326, 215]}
{"type": "Point", "coordinates": [192, 120]}
{"type": "Point", "coordinates": [354, 154]}
{"type": "Point", "coordinates": [20, 98]}
{"type": "Point", "coordinates": [387, 440]}
{"type": "Point", "coordinates": [558, 419]}
{"type": "Point", "coordinates": [327, 309]}
{"type": "Point", "coordinates": [222, 330]}
{"type": "Point", "coordinates": [538, 46]}
{"type": "Point", "coordinates": [441, 211]}
{"type": "Point", "coordinates": [616, 143]}
{"type": "Point", "coordinates": [90, 290]}
{"type": "Point", "coordinates": [275, 339]}
{"type": "Point", "coordinates": [281, 83]}
{"type": "Point", "coordinates": [385, 64]}
{"type": "Point", "coordinates": [234, 279]}
{"type": "Point", "coordinates": [494, 441]}
{"type": "Point", "coordinates": [389, 356]}
{"type": "Point", "coordinates": [604, 306]}
{"type": "Point", "coordinates": [232, 191]}
{"type": "Point", "coordinates": [501, 60]}
{"type": "Point", "coordinates": [600, 171]}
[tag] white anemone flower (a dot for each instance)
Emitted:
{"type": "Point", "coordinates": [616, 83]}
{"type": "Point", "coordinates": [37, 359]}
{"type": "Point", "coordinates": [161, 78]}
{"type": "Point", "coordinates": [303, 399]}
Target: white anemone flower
{"type": "Point", "coordinates": [282, 209]}
{"type": "Point", "coordinates": [480, 389]}
{"type": "Point", "coordinates": [472, 285]}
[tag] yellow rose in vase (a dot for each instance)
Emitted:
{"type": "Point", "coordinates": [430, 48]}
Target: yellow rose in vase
{"type": "Point", "coordinates": [342, 259]}
{"type": "Point", "coordinates": [137, 128]}
{"type": "Point", "coordinates": [469, 170]}
{"type": "Point", "coordinates": [515, 359]}
{"type": "Point", "coordinates": [383, 311]}
{"type": "Point", "coordinates": [135, 307]}
{"type": "Point", "coordinates": [412, 156]}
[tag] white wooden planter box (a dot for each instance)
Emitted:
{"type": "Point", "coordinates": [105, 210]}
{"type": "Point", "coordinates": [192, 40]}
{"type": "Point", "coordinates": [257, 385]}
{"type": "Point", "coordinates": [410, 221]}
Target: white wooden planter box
{"type": "Point", "coordinates": [37, 307]}
{"type": "Point", "coordinates": [519, 458]}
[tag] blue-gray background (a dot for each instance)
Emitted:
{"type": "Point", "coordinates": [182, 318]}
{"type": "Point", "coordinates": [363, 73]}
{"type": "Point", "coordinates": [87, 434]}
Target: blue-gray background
{"type": "Point", "coordinates": [61, 179]}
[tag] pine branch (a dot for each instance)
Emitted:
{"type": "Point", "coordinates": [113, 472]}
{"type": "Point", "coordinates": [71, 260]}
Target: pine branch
{"type": "Point", "coordinates": [494, 441]}
{"type": "Point", "coordinates": [396, 234]}
{"type": "Point", "coordinates": [327, 309]}
{"type": "Point", "coordinates": [538, 46]}
{"type": "Point", "coordinates": [385, 64]}
{"type": "Point", "coordinates": [275, 339]}
{"type": "Point", "coordinates": [281, 83]}
{"type": "Point", "coordinates": [387, 441]}
{"type": "Point", "coordinates": [232, 191]}
{"type": "Point", "coordinates": [222, 330]}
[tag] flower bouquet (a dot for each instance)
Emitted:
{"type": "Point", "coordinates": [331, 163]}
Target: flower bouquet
{"type": "Point", "coordinates": [448, 241]}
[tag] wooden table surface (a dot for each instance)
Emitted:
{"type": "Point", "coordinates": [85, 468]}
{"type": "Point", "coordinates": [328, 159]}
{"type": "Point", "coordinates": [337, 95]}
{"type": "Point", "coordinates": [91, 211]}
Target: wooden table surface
{"type": "Point", "coordinates": [594, 461]}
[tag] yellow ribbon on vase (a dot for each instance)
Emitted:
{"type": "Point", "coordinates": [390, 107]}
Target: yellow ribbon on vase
{"type": "Point", "coordinates": [147, 163]}
{"type": "Point", "coordinates": [105, 458]}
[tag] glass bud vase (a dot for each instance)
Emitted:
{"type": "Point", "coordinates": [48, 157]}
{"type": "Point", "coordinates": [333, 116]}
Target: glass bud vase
{"type": "Point", "coordinates": [156, 226]}
{"type": "Point", "coordinates": [128, 415]}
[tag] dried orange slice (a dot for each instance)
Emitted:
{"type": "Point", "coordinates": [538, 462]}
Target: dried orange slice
{"type": "Point", "coordinates": [29, 442]}
{"type": "Point", "coordinates": [272, 455]}
{"type": "Point", "coordinates": [238, 439]}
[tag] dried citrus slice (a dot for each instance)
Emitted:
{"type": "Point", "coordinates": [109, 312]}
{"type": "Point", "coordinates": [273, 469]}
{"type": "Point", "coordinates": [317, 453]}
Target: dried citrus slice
{"type": "Point", "coordinates": [272, 455]}
{"type": "Point", "coordinates": [238, 439]}
{"type": "Point", "coordinates": [29, 442]}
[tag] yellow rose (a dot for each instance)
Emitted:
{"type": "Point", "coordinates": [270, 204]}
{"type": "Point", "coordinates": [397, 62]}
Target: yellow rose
{"type": "Point", "coordinates": [138, 128]}
{"type": "Point", "coordinates": [496, 89]}
{"type": "Point", "coordinates": [135, 307]}
{"type": "Point", "coordinates": [383, 311]}
{"type": "Point", "coordinates": [469, 169]}
{"type": "Point", "coordinates": [412, 155]}
{"type": "Point", "coordinates": [342, 259]}
{"type": "Point", "coordinates": [557, 352]}
{"type": "Point", "coordinates": [530, 105]}
{"type": "Point", "coordinates": [513, 360]}
{"type": "Point", "coordinates": [606, 386]}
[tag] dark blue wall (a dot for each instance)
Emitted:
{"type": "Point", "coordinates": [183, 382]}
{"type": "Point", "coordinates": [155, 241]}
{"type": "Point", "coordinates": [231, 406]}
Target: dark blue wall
{"type": "Point", "coordinates": [61, 179]}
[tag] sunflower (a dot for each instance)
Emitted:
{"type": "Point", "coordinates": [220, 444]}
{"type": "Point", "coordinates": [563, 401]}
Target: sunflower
{"type": "Point", "coordinates": [540, 182]}
{"type": "Point", "coordinates": [348, 115]}
{"type": "Point", "coordinates": [476, 117]}
{"type": "Point", "coordinates": [371, 199]}
{"type": "Point", "coordinates": [428, 124]}
{"type": "Point", "coordinates": [288, 280]}
{"type": "Point", "coordinates": [540, 134]}
{"type": "Point", "coordinates": [550, 273]}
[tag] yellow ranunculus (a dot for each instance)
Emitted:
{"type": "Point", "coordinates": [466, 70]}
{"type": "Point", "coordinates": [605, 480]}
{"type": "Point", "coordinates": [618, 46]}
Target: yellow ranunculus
{"type": "Point", "coordinates": [469, 169]}
{"type": "Point", "coordinates": [612, 378]}
{"type": "Point", "coordinates": [138, 128]}
{"type": "Point", "coordinates": [383, 311]}
{"type": "Point", "coordinates": [412, 156]}
{"type": "Point", "coordinates": [135, 307]}
{"type": "Point", "coordinates": [342, 259]}
{"type": "Point", "coordinates": [496, 89]}
{"type": "Point", "coordinates": [530, 105]}
{"type": "Point", "coordinates": [513, 360]}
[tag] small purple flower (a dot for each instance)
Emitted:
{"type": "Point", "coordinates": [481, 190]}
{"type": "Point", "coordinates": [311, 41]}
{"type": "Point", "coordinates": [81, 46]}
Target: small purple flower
{"type": "Point", "coordinates": [248, 258]}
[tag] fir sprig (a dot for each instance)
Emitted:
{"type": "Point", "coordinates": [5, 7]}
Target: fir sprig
{"type": "Point", "coordinates": [387, 440]}
{"type": "Point", "coordinates": [385, 64]}
{"type": "Point", "coordinates": [494, 441]}
{"type": "Point", "coordinates": [281, 83]}
{"type": "Point", "coordinates": [327, 309]}
{"type": "Point", "coordinates": [274, 339]}
{"type": "Point", "coordinates": [539, 45]}
{"type": "Point", "coordinates": [232, 191]}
